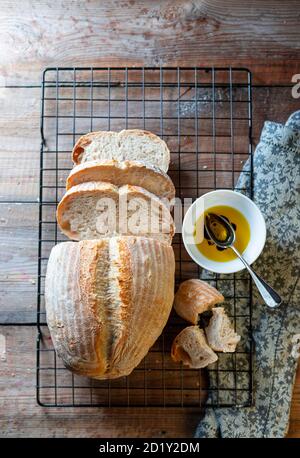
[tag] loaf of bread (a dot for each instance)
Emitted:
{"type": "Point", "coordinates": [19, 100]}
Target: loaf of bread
{"type": "Point", "coordinates": [193, 297]}
{"type": "Point", "coordinates": [133, 144]}
{"type": "Point", "coordinates": [133, 173]}
{"type": "Point", "coordinates": [220, 333]}
{"type": "Point", "coordinates": [190, 348]}
{"type": "Point", "coordinates": [94, 210]}
{"type": "Point", "coordinates": [107, 301]}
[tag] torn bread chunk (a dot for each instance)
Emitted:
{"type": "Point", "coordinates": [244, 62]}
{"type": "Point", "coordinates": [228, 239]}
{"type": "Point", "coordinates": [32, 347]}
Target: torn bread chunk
{"type": "Point", "coordinates": [194, 297]}
{"type": "Point", "coordinates": [220, 333]}
{"type": "Point", "coordinates": [190, 347]}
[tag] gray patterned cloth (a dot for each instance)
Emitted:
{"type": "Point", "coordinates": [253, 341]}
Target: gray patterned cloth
{"type": "Point", "coordinates": [276, 333]}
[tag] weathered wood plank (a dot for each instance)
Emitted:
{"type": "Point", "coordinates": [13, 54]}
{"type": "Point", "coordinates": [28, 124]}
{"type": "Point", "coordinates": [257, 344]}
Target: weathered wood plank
{"type": "Point", "coordinates": [20, 137]}
{"type": "Point", "coordinates": [68, 33]}
{"type": "Point", "coordinates": [294, 429]}
{"type": "Point", "coordinates": [20, 144]}
{"type": "Point", "coordinates": [22, 417]}
{"type": "Point", "coordinates": [18, 262]}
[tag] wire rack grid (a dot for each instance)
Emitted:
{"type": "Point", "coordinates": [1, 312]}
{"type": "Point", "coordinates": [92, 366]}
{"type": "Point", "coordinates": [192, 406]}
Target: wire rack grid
{"type": "Point", "coordinates": [205, 116]}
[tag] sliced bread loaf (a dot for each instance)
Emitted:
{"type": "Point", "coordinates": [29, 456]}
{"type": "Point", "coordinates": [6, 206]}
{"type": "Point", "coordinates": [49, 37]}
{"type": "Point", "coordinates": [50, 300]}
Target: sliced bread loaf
{"type": "Point", "coordinates": [107, 301]}
{"type": "Point", "coordinates": [134, 173]}
{"type": "Point", "coordinates": [133, 144]}
{"type": "Point", "coordinates": [94, 210]}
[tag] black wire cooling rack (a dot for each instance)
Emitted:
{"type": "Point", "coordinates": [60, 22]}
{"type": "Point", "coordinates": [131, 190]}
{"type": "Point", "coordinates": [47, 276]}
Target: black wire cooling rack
{"type": "Point", "coordinates": [204, 115]}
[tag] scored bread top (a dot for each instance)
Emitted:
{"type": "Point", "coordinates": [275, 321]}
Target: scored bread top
{"type": "Point", "coordinates": [107, 301]}
{"type": "Point", "coordinates": [118, 173]}
{"type": "Point", "coordinates": [130, 144]}
{"type": "Point", "coordinates": [95, 209]}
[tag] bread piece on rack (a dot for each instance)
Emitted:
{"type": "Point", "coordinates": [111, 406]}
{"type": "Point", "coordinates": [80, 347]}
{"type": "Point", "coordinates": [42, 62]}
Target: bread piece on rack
{"type": "Point", "coordinates": [193, 297]}
{"type": "Point", "coordinates": [220, 333]}
{"type": "Point", "coordinates": [94, 210]}
{"type": "Point", "coordinates": [190, 348]}
{"type": "Point", "coordinates": [107, 301]}
{"type": "Point", "coordinates": [130, 144]}
{"type": "Point", "coordinates": [133, 173]}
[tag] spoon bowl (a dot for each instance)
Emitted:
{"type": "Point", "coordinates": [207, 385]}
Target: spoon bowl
{"type": "Point", "coordinates": [212, 219]}
{"type": "Point", "coordinates": [222, 234]}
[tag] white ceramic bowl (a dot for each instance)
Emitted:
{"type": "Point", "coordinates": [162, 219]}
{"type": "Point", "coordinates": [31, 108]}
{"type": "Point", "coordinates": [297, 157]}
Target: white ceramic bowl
{"type": "Point", "coordinates": [246, 207]}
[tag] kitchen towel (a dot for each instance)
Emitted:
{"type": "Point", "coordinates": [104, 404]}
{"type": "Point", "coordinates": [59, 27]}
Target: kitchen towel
{"type": "Point", "coordinates": [276, 333]}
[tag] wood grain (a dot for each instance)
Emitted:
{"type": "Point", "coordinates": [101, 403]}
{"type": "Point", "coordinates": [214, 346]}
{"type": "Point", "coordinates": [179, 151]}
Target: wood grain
{"type": "Point", "coordinates": [20, 144]}
{"type": "Point", "coordinates": [20, 137]}
{"type": "Point", "coordinates": [18, 262]}
{"type": "Point", "coordinates": [209, 32]}
{"type": "Point", "coordinates": [22, 417]}
{"type": "Point", "coordinates": [262, 36]}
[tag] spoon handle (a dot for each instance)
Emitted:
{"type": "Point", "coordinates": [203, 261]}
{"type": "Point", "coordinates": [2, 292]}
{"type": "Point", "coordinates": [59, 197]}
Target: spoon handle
{"type": "Point", "coordinates": [269, 295]}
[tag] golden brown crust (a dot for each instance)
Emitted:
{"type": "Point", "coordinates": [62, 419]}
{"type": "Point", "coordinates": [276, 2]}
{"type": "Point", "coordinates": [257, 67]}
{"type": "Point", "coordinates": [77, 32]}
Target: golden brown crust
{"type": "Point", "coordinates": [90, 254]}
{"type": "Point", "coordinates": [194, 297]}
{"type": "Point", "coordinates": [70, 297]}
{"type": "Point", "coordinates": [121, 173]}
{"type": "Point", "coordinates": [125, 296]}
{"type": "Point", "coordinates": [153, 289]}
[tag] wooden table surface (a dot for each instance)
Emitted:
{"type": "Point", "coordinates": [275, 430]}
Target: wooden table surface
{"type": "Point", "coordinates": [263, 36]}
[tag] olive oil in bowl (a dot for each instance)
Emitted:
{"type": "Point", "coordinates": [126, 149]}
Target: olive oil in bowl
{"type": "Point", "coordinates": [239, 224]}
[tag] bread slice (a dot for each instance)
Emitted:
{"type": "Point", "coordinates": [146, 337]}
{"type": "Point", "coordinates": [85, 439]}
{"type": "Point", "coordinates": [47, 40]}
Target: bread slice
{"type": "Point", "coordinates": [131, 144]}
{"type": "Point", "coordinates": [190, 348]}
{"type": "Point", "coordinates": [107, 301]}
{"type": "Point", "coordinates": [134, 173]}
{"type": "Point", "coordinates": [220, 333]}
{"type": "Point", "coordinates": [94, 210]}
{"type": "Point", "coordinates": [195, 296]}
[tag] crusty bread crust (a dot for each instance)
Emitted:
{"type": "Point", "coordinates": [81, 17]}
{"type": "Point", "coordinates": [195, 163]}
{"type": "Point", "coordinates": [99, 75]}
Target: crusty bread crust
{"type": "Point", "coordinates": [99, 190]}
{"type": "Point", "coordinates": [195, 296]}
{"type": "Point", "coordinates": [118, 173]}
{"type": "Point", "coordinates": [70, 293]}
{"type": "Point", "coordinates": [107, 301]}
{"type": "Point", "coordinates": [86, 140]}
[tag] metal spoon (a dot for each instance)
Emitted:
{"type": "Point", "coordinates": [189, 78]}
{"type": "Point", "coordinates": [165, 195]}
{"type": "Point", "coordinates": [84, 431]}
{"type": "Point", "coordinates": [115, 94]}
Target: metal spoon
{"type": "Point", "coordinates": [269, 295]}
